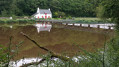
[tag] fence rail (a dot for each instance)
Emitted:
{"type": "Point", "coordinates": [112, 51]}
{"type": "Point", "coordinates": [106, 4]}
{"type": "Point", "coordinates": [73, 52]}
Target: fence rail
{"type": "Point", "coordinates": [69, 23]}
{"type": "Point", "coordinates": [103, 26]}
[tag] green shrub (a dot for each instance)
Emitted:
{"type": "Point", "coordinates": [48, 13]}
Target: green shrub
{"type": "Point", "coordinates": [3, 56]}
{"type": "Point", "coordinates": [11, 21]}
{"type": "Point", "coordinates": [2, 22]}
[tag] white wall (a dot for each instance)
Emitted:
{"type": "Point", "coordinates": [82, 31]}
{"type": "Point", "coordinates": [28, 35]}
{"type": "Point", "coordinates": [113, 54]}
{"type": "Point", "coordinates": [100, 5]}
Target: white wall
{"type": "Point", "coordinates": [40, 15]}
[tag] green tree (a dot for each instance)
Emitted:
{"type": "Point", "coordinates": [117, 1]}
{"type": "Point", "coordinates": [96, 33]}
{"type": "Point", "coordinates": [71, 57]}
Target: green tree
{"type": "Point", "coordinates": [59, 14]}
{"type": "Point", "coordinates": [4, 7]}
{"type": "Point", "coordinates": [77, 8]}
{"type": "Point", "coordinates": [109, 9]}
{"type": "Point", "coordinates": [4, 13]}
{"type": "Point", "coordinates": [13, 10]}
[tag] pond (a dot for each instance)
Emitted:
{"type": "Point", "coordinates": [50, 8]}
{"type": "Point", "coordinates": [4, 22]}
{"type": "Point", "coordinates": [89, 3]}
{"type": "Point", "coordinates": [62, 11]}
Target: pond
{"type": "Point", "coordinates": [59, 40]}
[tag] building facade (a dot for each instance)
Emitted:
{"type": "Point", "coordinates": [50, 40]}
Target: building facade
{"type": "Point", "coordinates": [43, 13]}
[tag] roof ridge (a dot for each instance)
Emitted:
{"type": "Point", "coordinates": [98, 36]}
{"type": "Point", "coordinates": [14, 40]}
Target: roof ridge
{"type": "Point", "coordinates": [44, 9]}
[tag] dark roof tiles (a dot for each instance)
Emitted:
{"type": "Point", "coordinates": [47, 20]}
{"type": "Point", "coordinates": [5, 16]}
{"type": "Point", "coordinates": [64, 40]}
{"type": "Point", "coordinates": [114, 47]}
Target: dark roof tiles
{"type": "Point", "coordinates": [43, 11]}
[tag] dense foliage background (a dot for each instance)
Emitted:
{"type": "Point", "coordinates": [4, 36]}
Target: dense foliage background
{"type": "Point", "coordinates": [74, 8]}
{"type": "Point", "coordinates": [109, 55]}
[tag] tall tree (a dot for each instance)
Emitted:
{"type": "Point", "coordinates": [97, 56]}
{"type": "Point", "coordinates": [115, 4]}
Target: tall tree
{"type": "Point", "coordinates": [4, 6]}
{"type": "Point", "coordinates": [110, 9]}
{"type": "Point", "coordinates": [13, 10]}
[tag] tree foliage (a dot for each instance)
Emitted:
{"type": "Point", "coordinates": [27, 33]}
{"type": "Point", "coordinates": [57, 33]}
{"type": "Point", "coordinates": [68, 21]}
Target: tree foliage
{"type": "Point", "coordinates": [78, 8]}
{"type": "Point", "coordinates": [109, 9]}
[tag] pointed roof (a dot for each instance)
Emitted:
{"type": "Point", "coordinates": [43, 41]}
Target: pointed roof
{"type": "Point", "coordinates": [43, 11]}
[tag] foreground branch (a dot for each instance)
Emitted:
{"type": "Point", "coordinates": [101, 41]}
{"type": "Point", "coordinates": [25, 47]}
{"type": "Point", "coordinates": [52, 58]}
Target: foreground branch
{"type": "Point", "coordinates": [33, 63]}
{"type": "Point", "coordinates": [53, 54]}
{"type": "Point", "coordinates": [35, 42]}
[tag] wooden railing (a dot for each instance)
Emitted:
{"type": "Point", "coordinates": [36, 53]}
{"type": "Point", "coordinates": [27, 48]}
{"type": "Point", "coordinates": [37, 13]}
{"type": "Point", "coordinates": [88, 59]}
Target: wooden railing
{"type": "Point", "coordinates": [69, 23]}
{"type": "Point", "coordinates": [103, 26]}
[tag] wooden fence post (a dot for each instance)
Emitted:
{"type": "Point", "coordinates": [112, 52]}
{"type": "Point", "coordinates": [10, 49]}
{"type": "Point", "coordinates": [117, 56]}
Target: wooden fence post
{"type": "Point", "coordinates": [73, 24]}
{"type": "Point", "coordinates": [80, 25]}
{"type": "Point", "coordinates": [66, 24]}
{"type": "Point", "coordinates": [109, 27]}
{"type": "Point", "coordinates": [98, 26]}
{"type": "Point", "coordinates": [88, 25]}
{"type": "Point", "coordinates": [50, 22]}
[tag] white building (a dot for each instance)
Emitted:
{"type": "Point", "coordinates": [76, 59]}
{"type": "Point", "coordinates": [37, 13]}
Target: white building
{"type": "Point", "coordinates": [43, 13]}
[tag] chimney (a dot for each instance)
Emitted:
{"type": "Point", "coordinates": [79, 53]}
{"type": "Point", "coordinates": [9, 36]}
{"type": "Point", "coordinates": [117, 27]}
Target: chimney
{"type": "Point", "coordinates": [38, 10]}
{"type": "Point", "coordinates": [49, 9]}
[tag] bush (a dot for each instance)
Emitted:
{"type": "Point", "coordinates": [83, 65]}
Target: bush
{"type": "Point", "coordinates": [11, 21]}
{"type": "Point", "coordinates": [2, 22]}
{"type": "Point", "coordinates": [59, 14]}
{"type": "Point", "coordinates": [3, 56]}
{"type": "Point", "coordinates": [69, 17]}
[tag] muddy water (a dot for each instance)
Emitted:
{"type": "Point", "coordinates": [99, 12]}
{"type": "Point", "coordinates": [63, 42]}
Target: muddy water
{"type": "Point", "coordinates": [59, 40]}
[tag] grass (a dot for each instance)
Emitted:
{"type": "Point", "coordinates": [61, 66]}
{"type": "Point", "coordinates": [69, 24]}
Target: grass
{"type": "Point", "coordinates": [80, 18]}
{"type": "Point", "coordinates": [91, 20]}
{"type": "Point", "coordinates": [75, 20]}
{"type": "Point", "coordinates": [87, 20]}
{"type": "Point", "coordinates": [16, 21]}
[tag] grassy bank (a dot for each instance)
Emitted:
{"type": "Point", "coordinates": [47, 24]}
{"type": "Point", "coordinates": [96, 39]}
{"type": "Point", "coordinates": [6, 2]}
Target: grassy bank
{"type": "Point", "coordinates": [16, 21]}
{"type": "Point", "coordinates": [73, 20]}
{"type": "Point", "coordinates": [89, 20]}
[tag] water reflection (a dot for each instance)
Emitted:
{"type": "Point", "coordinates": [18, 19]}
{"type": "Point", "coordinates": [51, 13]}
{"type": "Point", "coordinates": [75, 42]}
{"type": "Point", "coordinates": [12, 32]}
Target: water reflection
{"type": "Point", "coordinates": [43, 27]}
{"type": "Point", "coordinates": [11, 26]}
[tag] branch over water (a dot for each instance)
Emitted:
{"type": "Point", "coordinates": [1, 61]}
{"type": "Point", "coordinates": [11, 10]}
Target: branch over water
{"type": "Point", "coordinates": [53, 54]}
